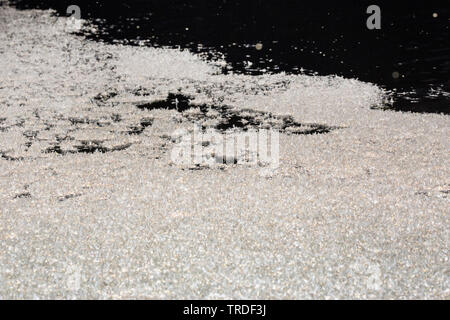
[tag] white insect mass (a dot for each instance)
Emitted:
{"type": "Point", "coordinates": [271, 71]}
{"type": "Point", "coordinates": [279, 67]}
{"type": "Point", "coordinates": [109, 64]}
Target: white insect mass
{"type": "Point", "coordinates": [357, 206]}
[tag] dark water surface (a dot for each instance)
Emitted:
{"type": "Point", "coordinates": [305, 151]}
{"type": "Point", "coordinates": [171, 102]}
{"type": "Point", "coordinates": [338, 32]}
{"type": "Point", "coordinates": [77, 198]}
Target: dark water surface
{"type": "Point", "coordinates": [409, 55]}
